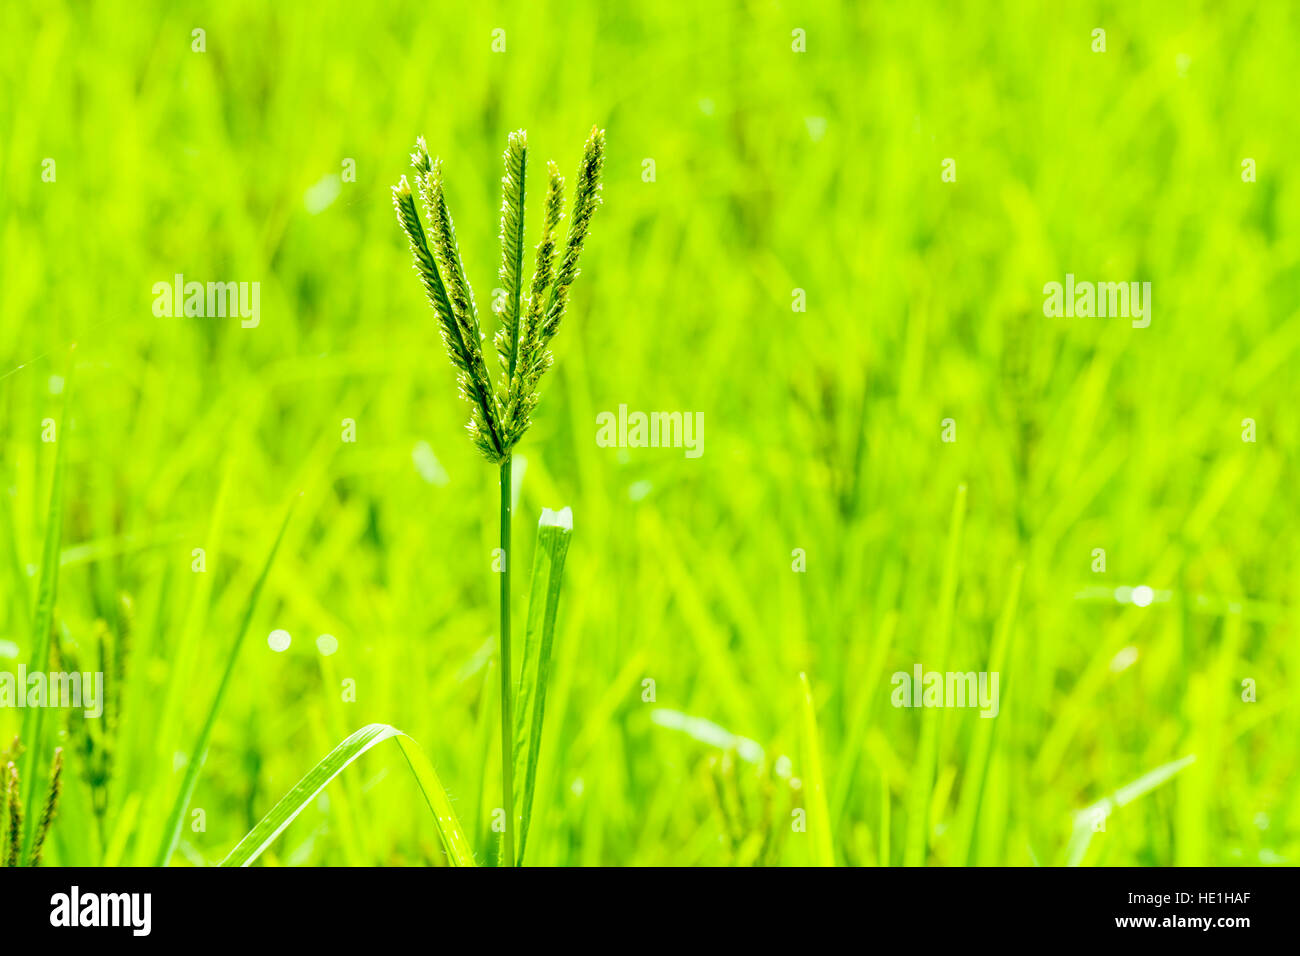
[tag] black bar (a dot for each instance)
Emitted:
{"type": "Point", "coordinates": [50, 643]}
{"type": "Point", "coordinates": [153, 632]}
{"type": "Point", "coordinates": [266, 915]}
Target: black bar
{"type": "Point", "coordinates": [334, 905]}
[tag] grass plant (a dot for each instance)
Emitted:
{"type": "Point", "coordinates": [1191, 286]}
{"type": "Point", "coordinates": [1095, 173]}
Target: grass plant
{"type": "Point", "coordinates": [499, 418]}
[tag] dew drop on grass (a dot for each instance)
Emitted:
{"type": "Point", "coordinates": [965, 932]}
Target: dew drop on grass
{"type": "Point", "coordinates": [279, 640]}
{"type": "Point", "coordinates": [1143, 596]}
{"type": "Point", "coordinates": [327, 644]}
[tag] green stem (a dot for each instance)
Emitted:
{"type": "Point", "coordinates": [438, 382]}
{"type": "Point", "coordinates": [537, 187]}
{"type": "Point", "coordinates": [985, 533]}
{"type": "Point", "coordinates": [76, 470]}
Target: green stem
{"type": "Point", "coordinates": [507, 719]}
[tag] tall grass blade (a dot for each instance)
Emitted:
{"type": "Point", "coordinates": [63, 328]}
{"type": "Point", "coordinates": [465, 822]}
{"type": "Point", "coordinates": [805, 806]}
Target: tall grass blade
{"type": "Point", "coordinates": [554, 531]}
{"type": "Point", "coordinates": [199, 753]}
{"type": "Point", "coordinates": [884, 820]}
{"type": "Point", "coordinates": [708, 733]}
{"type": "Point", "coordinates": [296, 800]}
{"type": "Point", "coordinates": [921, 793]}
{"type": "Point", "coordinates": [33, 727]}
{"type": "Point", "coordinates": [22, 606]}
{"type": "Point", "coordinates": [977, 767]}
{"type": "Point", "coordinates": [819, 814]}
{"type": "Point", "coordinates": [481, 812]}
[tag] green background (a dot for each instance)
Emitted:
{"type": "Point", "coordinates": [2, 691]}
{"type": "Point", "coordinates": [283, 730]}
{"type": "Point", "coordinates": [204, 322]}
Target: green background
{"type": "Point", "coordinates": [775, 170]}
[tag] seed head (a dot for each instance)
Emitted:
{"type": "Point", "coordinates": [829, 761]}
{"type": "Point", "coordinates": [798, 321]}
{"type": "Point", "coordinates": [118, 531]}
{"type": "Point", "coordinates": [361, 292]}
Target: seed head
{"type": "Point", "coordinates": [499, 418]}
{"type": "Point", "coordinates": [51, 805]}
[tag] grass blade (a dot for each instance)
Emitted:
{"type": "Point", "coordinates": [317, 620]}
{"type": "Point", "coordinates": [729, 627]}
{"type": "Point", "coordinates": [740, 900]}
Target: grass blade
{"type": "Point", "coordinates": [819, 814]}
{"type": "Point", "coordinates": [977, 766]}
{"type": "Point", "coordinates": [884, 821]}
{"type": "Point", "coordinates": [9, 540]}
{"type": "Point", "coordinates": [33, 727]}
{"type": "Point", "coordinates": [921, 793]}
{"type": "Point", "coordinates": [200, 752]}
{"type": "Point", "coordinates": [554, 531]}
{"type": "Point", "coordinates": [296, 800]}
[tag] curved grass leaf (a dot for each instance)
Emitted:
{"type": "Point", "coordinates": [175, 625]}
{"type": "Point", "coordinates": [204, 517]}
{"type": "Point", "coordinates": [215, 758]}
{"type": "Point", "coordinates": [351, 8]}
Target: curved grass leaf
{"type": "Point", "coordinates": [1087, 820]}
{"type": "Point", "coordinates": [296, 800]}
{"type": "Point", "coordinates": [553, 533]}
{"type": "Point", "coordinates": [200, 752]}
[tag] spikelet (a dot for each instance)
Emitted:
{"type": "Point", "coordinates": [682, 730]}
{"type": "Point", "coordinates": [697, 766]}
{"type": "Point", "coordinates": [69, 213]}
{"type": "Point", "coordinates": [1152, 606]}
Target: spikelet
{"type": "Point", "coordinates": [512, 254]}
{"type": "Point", "coordinates": [543, 322]}
{"type": "Point", "coordinates": [51, 806]}
{"type": "Point", "coordinates": [483, 426]}
{"type": "Point", "coordinates": [121, 654]}
{"type": "Point", "coordinates": [4, 812]}
{"type": "Point", "coordinates": [464, 352]}
{"type": "Point", "coordinates": [113, 702]}
{"type": "Point", "coordinates": [15, 817]}
{"type": "Point", "coordinates": [534, 357]}
{"type": "Point", "coordinates": [585, 200]}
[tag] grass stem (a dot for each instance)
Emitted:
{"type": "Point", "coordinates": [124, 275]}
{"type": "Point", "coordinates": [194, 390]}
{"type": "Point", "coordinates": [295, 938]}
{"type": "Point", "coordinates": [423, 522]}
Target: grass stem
{"type": "Point", "coordinates": [507, 721]}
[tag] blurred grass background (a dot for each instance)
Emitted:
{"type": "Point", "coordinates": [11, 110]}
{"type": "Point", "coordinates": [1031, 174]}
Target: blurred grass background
{"type": "Point", "coordinates": [774, 171]}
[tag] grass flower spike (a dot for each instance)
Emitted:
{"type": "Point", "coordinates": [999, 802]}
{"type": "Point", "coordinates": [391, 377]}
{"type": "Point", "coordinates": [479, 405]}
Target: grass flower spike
{"type": "Point", "coordinates": [13, 816]}
{"type": "Point", "coordinates": [534, 357]}
{"type": "Point", "coordinates": [584, 207]}
{"type": "Point", "coordinates": [530, 317]}
{"type": "Point", "coordinates": [463, 348]}
{"type": "Point", "coordinates": [512, 252]}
